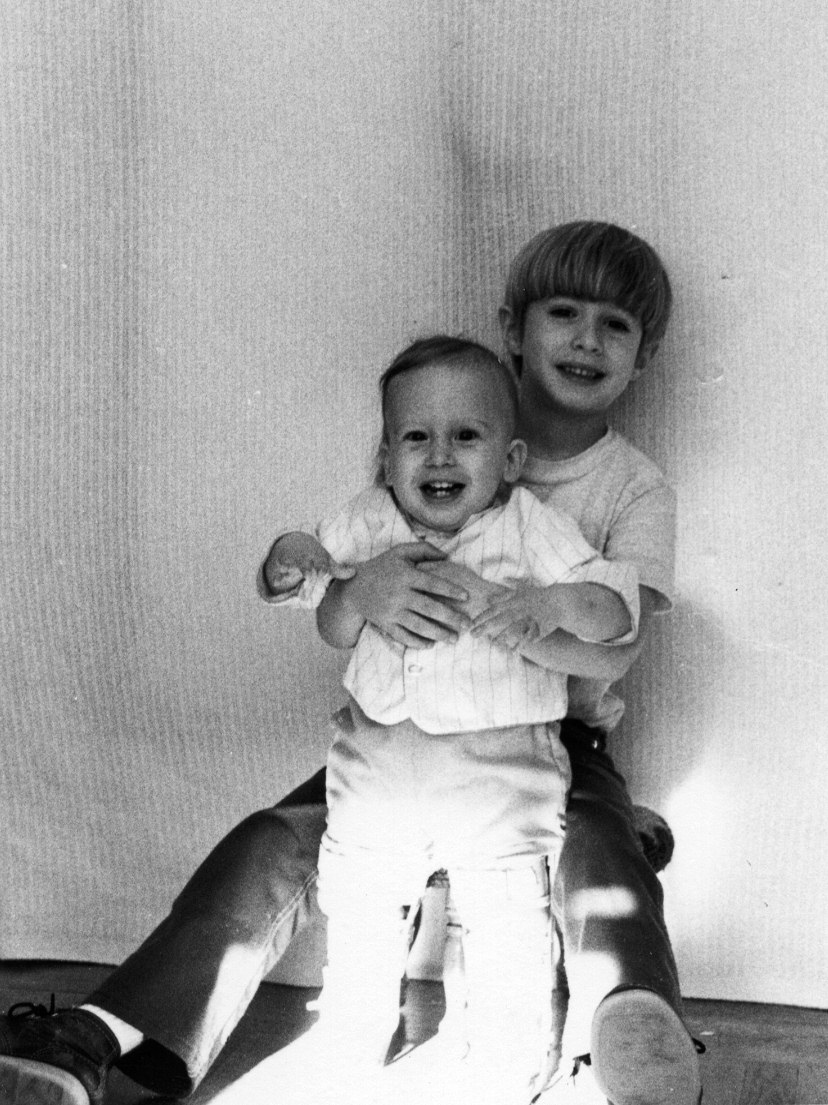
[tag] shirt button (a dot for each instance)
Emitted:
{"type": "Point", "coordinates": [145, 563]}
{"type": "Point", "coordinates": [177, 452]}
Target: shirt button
{"type": "Point", "coordinates": [415, 669]}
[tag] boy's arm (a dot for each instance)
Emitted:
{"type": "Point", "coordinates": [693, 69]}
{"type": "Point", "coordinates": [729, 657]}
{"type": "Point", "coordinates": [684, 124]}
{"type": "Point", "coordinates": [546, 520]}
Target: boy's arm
{"type": "Point", "coordinates": [591, 611]}
{"type": "Point", "coordinates": [561, 651]}
{"type": "Point", "coordinates": [562, 584]}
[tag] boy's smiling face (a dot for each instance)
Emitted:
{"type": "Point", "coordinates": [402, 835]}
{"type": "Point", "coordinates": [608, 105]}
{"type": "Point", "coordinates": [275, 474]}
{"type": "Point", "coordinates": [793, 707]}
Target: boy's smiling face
{"type": "Point", "coordinates": [448, 441]}
{"type": "Point", "coordinates": [578, 355]}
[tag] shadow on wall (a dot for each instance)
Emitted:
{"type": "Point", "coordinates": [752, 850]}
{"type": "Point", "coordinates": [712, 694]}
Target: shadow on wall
{"type": "Point", "coordinates": [671, 746]}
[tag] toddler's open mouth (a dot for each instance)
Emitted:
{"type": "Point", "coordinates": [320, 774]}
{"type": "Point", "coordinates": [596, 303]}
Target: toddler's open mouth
{"type": "Point", "coordinates": [441, 490]}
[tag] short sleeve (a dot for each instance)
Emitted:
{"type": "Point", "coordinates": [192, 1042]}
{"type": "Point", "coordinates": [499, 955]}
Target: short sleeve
{"type": "Point", "coordinates": [644, 534]}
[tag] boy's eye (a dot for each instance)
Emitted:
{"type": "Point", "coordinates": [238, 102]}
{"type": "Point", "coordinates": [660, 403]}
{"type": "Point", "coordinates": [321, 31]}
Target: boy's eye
{"type": "Point", "coordinates": [559, 310]}
{"type": "Point", "coordinates": [467, 435]}
{"type": "Point", "coordinates": [414, 435]}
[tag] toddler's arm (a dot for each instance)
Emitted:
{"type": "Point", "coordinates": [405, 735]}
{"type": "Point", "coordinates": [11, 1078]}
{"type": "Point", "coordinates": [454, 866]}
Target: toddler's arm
{"type": "Point", "coordinates": [338, 620]}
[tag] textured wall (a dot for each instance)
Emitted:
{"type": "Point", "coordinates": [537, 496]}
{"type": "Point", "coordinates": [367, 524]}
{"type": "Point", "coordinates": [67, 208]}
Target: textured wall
{"type": "Point", "coordinates": [220, 218]}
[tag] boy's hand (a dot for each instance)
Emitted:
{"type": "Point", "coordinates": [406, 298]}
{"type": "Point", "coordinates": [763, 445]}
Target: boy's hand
{"type": "Point", "coordinates": [298, 556]}
{"type": "Point", "coordinates": [481, 592]}
{"type": "Point", "coordinates": [408, 604]}
{"type": "Point", "coordinates": [515, 618]}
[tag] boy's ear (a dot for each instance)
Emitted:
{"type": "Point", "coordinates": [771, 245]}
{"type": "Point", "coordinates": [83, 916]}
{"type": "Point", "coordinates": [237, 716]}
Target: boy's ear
{"type": "Point", "coordinates": [509, 328]}
{"type": "Point", "coordinates": [645, 355]}
{"type": "Point", "coordinates": [515, 460]}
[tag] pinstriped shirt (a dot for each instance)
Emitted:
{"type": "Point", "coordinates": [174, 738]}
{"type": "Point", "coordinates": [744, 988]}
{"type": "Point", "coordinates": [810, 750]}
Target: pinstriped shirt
{"type": "Point", "coordinates": [469, 684]}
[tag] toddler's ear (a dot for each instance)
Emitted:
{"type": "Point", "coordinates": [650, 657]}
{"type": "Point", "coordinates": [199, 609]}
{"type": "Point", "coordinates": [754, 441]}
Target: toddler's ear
{"type": "Point", "coordinates": [382, 464]}
{"type": "Point", "coordinates": [515, 460]}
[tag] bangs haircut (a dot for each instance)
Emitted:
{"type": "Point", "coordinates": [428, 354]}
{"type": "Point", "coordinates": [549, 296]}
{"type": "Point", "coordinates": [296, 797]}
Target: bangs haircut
{"type": "Point", "coordinates": [593, 261]}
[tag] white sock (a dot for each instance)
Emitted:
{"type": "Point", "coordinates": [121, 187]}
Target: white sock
{"type": "Point", "coordinates": [128, 1037]}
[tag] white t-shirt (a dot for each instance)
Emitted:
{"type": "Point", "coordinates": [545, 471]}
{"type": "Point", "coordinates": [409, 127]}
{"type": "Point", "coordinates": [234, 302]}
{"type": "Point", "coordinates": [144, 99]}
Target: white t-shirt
{"type": "Point", "coordinates": [626, 511]}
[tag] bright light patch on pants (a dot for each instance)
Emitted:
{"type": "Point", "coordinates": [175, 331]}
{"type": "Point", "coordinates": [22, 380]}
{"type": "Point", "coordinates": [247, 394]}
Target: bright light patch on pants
{"type": "Point", "coordinates": [604, 901]}
{"type": "Point", "coordinates": [591, 977]}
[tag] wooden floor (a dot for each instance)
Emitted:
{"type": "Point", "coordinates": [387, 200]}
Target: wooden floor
{"type": "Point", "coordinates": [756, 1054]}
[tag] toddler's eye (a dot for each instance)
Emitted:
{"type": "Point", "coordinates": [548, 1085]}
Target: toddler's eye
{"type": "Point", "coordinates": [559, 310]}
{"type": "Point", "coordinates": [619, 324]}
{"type": "Point", "coordinates": [467, 435]}
{"type": "Point", "coordinates": [414, 435]}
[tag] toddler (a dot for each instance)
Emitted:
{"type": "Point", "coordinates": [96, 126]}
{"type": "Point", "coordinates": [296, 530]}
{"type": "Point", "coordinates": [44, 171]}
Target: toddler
{"type": "Point", "coordinates": [449, 756]}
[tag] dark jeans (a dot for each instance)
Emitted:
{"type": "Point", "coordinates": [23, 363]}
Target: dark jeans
{"type": "Point", "coordinates": [188, 984]}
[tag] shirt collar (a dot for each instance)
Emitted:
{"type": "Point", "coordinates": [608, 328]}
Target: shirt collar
{"type": "Point", "coordinates": [538, 470]}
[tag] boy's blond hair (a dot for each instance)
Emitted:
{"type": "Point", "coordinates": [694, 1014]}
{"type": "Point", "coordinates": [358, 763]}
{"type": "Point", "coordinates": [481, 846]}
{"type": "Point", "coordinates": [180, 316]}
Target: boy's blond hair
{"type": "Point", "coordinates": [596, 261]}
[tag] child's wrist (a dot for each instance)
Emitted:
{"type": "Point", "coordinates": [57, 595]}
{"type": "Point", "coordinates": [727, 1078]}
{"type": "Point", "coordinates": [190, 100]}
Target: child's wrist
{"type": "Point", "coordinates": [552, 609]}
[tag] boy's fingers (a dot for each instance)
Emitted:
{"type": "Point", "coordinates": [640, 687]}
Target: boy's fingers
{"type": "Point", "coordinates": [419, 632]}
{"type": "Point", "coordinates": [427, 609]}
{"type": "Point", "coordinates": [418, 551]}
{"type": "Point", "coordinates": [484, 620]}
{"type": "Point", "coordinates": [493, 624]}
{"type": "Point", "coordinates": [438, 584]}
{"type": "Point", "coordinates": [410, 640]}
{"type": "Point", "coordinates": [342, 571]}
{"type": "Point", "coordinates": [516, 635]}
{"type": "Point", "coordinates": [446, 628]}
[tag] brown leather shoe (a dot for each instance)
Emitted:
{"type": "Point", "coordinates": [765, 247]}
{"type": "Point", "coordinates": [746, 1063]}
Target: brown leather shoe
{"type": "Point", "coordinates": [12, 1022]}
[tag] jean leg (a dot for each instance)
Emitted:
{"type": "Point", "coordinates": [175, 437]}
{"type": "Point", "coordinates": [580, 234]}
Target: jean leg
{"type": "Point", "coordinates": [607, 899]}
{"type": "Point", "coordinates": [188, 984]}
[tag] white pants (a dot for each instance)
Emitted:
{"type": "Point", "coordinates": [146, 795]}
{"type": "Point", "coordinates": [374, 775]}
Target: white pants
{"type": "Point", "coordinates": [507, 952]}
{"type": "Point", "coordinates": [488, 806]}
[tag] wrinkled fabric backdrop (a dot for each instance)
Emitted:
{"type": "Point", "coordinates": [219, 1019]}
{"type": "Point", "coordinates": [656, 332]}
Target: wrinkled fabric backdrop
{"type": "Point", "coordinates": [221, 218]}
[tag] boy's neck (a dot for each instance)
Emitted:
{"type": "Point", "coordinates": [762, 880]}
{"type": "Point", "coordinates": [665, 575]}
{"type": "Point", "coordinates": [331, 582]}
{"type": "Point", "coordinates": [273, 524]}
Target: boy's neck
{"type": "Point", "coordinates": [553, 435]}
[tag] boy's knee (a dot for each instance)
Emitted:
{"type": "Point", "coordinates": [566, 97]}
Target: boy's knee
{"type": "Point", "coordinates": [266, 858]}
{"type": "Point", "coordinates": [285, 837]}
{"type": "Point", "coordinates": [599, 827]}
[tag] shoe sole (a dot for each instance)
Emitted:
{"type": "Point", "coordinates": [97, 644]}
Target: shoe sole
{"type": "Point", "coordinates": [641, 1052]}
{"type": "Point", "coordinates": [26, 1082]}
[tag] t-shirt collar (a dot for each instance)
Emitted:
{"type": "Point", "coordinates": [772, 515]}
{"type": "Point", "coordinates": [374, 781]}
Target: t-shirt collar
{"type": "Point", "coordinates": [539, 470]}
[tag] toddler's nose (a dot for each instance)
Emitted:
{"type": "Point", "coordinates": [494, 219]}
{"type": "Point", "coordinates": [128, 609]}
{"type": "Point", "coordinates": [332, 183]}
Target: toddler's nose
{"type": "Point", "coordinates": [440, 452]}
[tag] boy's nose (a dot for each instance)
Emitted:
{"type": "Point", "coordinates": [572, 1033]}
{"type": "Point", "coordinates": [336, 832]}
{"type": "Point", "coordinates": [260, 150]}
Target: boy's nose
{"type": "Point", "coordinates": [587, 337]}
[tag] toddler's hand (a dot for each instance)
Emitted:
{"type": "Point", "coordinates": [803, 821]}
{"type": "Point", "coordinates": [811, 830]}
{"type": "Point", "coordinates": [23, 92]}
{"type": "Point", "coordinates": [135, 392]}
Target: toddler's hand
{"type": "Point", "coordinates": [298, 556]}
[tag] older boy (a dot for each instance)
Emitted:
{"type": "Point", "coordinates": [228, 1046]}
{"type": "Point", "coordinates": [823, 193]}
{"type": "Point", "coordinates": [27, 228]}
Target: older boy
{"type": "Point", "coordinates": [586, 306]}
